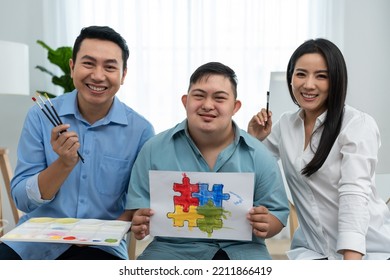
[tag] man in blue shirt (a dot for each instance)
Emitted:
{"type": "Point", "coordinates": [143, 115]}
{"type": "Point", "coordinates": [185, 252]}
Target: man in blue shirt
{"type": "Point", "coordinates": [209, 141]}
{"type": "Point", "coordinates": [50, 180]}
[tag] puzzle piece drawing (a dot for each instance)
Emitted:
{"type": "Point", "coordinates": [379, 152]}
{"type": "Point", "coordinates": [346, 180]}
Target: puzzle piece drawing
{"type": "Point", "coordinates": [216, 195]}
{"type": "Point", "coordinates": [198, 206]}
{"type": "Point", "coordinates": [179, 216]}
{"type": "Point", "coordinates": [186, 189]}
{"type": "Point", "coordinates": [212, 218]}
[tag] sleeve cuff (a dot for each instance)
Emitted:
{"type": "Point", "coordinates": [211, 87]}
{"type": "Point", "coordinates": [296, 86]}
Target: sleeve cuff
{"type": "Point", "coordinates": [33, 192]}
{"type": "Point", "coordinates": [351, 241]}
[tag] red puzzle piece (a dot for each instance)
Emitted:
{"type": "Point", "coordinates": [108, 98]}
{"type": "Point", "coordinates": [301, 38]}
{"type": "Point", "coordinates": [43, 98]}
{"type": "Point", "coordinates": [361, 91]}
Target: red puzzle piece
{"type": "Point", "coordinates": [186, 189]}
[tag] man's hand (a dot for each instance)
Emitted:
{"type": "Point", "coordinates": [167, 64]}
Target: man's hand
{"type": "Point", "coordinates": [65, 144]}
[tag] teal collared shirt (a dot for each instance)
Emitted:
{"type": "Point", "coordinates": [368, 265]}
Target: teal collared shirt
{"type": "Point", "coordinates": [174, 150]}
{"type": "Point", "coordinates": [94, 189]}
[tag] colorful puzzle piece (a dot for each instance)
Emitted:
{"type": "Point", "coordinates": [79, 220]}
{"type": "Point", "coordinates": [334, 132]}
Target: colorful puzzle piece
{"type": "Point", "coordinates": [216, 195]}
{"type": "Point", "coordinates": [179, 216]}
{"type": "Point", "coordinates": [186, 189]}
{"type": "Point", "coordinates": [212, 217]}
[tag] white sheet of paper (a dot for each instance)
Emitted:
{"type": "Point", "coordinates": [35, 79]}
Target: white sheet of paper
{"type": "Point", "coordinates": [204, 205]}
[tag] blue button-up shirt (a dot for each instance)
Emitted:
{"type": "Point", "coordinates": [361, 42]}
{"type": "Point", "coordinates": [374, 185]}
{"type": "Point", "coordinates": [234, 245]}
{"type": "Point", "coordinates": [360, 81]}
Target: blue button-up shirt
{"type": "Point", "coordinates": [94, 189]}
{"type": "Point", "coordinates": [174, 150]}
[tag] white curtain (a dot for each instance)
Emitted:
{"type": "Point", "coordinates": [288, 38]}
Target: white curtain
{"type": "Point", "coordinates": [169, 39]}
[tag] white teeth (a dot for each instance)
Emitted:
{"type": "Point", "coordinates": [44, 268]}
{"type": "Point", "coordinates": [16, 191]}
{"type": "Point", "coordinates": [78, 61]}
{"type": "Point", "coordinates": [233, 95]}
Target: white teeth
{"type": "Point", "coordinates": [308, 95]}
{"type": "Point", "coordinates": [97, 88]}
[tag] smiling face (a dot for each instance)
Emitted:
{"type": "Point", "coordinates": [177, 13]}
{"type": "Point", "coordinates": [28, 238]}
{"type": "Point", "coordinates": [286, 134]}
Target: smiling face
{"type": "Point", "coordinates": [210, 105]}
{"type": "Point", "coordinates": [310, 83]}
{"type": "Point", "coordinates": [97, 74]}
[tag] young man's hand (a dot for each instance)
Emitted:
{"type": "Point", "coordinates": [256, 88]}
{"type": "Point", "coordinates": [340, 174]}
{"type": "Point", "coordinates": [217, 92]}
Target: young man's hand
{"type": "Point", "coordinates": [140, 223]}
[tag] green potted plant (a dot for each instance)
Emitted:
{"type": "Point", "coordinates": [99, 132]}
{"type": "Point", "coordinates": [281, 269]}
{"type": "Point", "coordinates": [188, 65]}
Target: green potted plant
{"type": "Point", "coordinates": [59, 57]}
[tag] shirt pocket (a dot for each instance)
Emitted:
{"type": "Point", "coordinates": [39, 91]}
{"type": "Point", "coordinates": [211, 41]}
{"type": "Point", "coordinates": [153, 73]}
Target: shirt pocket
{"type": "Point", "coordinates": [113, 177]}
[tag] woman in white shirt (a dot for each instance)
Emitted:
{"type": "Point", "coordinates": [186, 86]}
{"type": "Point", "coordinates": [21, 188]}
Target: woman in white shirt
{"type": "Point", "coordinates": [329, 154]}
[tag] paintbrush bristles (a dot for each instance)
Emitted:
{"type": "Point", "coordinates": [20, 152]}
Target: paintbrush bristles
{"type": "Point", "coordinates": [48, 99]}
{"type": "Point", "coordinates": [40, 97]}
{"type": "Point", "coordinates": [54, 109]}
{"type": "Point", "coordinates": [56, 120]}
{"type": "Point", "coordinates": [34, 99]}
{"type": "Point", "coordinates": [36, 102]}
{"type": "Point", "coordinates": [43, 110]}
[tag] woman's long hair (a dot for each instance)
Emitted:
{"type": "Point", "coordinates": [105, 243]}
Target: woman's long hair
{"type": "Point", "coordinates": [338, 80]}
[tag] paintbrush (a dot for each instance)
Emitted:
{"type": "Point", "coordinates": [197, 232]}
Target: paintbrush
{"type": "Point", "coordinates": [47, 109]}
{"type": "Point", "coordinates": [55, 120]}
{"type": "Point", "coordinates": [54, 109]}
{"type": "Point", "coordinates": [40, 106]}
{"type": "Point", "coordinates": [267, 103]}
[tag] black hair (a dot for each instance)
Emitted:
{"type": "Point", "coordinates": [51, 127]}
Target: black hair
{"type": "Point", "coordinates": [102, 33]}
{"type": "Point", "coordinates": [338, 80]}
{"type": "Point", "coordinates": [214, 68]}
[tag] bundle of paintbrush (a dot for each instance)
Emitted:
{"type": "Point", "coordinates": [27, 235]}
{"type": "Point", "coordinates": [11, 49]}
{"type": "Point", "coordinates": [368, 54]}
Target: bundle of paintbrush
{"type": "Point", "coordinates": [52, 114]}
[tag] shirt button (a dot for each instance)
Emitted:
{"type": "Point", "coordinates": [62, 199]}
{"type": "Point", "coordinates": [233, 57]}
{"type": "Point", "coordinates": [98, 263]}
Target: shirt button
{"type": "Point", "coordinates": [86, 152]}
{"type": "Point", "coordinates": [84, 176]}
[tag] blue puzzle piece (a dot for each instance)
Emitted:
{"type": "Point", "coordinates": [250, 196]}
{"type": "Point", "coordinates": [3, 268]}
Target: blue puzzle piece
{"type": "Point", "coordinates": [216, 195]}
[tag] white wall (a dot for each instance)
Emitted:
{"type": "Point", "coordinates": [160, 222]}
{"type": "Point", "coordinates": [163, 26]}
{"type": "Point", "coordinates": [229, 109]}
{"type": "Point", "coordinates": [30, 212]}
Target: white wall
{"type": "Point", "coordinates": [20, 21]}
{"type": "Point", "coordinates": [366, 50]}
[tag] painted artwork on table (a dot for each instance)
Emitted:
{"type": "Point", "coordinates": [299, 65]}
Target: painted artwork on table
{"type": "Point", "coordinates": [69, 230]}
{"type": "Point", "coordinates": [201, 204]}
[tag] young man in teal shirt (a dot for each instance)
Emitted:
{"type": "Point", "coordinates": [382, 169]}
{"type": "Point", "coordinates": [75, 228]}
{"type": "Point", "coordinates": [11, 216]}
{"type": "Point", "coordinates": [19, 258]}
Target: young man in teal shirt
{"type": "Point", "coordinates": [208, 140]}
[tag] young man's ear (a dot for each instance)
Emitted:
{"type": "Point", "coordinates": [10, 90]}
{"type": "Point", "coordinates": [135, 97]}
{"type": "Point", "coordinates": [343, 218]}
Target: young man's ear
{"type": "Point", "coordinates": [237, 106]}
{"type": "Point", "coordinates": [184, 100]}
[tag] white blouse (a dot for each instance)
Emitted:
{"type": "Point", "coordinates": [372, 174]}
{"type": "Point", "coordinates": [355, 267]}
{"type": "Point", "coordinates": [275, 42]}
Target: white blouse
{"type": "Point", "coordinates": [338, 206]}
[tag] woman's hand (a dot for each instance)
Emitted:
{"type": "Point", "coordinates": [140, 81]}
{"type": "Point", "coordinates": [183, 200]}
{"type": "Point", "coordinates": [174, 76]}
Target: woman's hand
{"type": "Point", "coordinates": [260, 125]}
{"type": "Point", "coordinates": [352, 255]}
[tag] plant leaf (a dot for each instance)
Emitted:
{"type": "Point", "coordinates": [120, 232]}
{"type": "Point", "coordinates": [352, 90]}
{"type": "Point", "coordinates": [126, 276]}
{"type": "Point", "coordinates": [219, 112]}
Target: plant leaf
{"type": "Point", "coordinates": [43, 69]}
{"type": "Point", "coordinates": [60, 57]}
{"type": "Point", "coordinates": [44, 45]}
{"type": "Point", "coordinates": [64, 81]}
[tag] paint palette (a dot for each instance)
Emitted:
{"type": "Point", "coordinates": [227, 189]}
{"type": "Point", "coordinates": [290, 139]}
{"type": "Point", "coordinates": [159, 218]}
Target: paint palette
{"type": "Point", "coordinates": [69, 230]}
